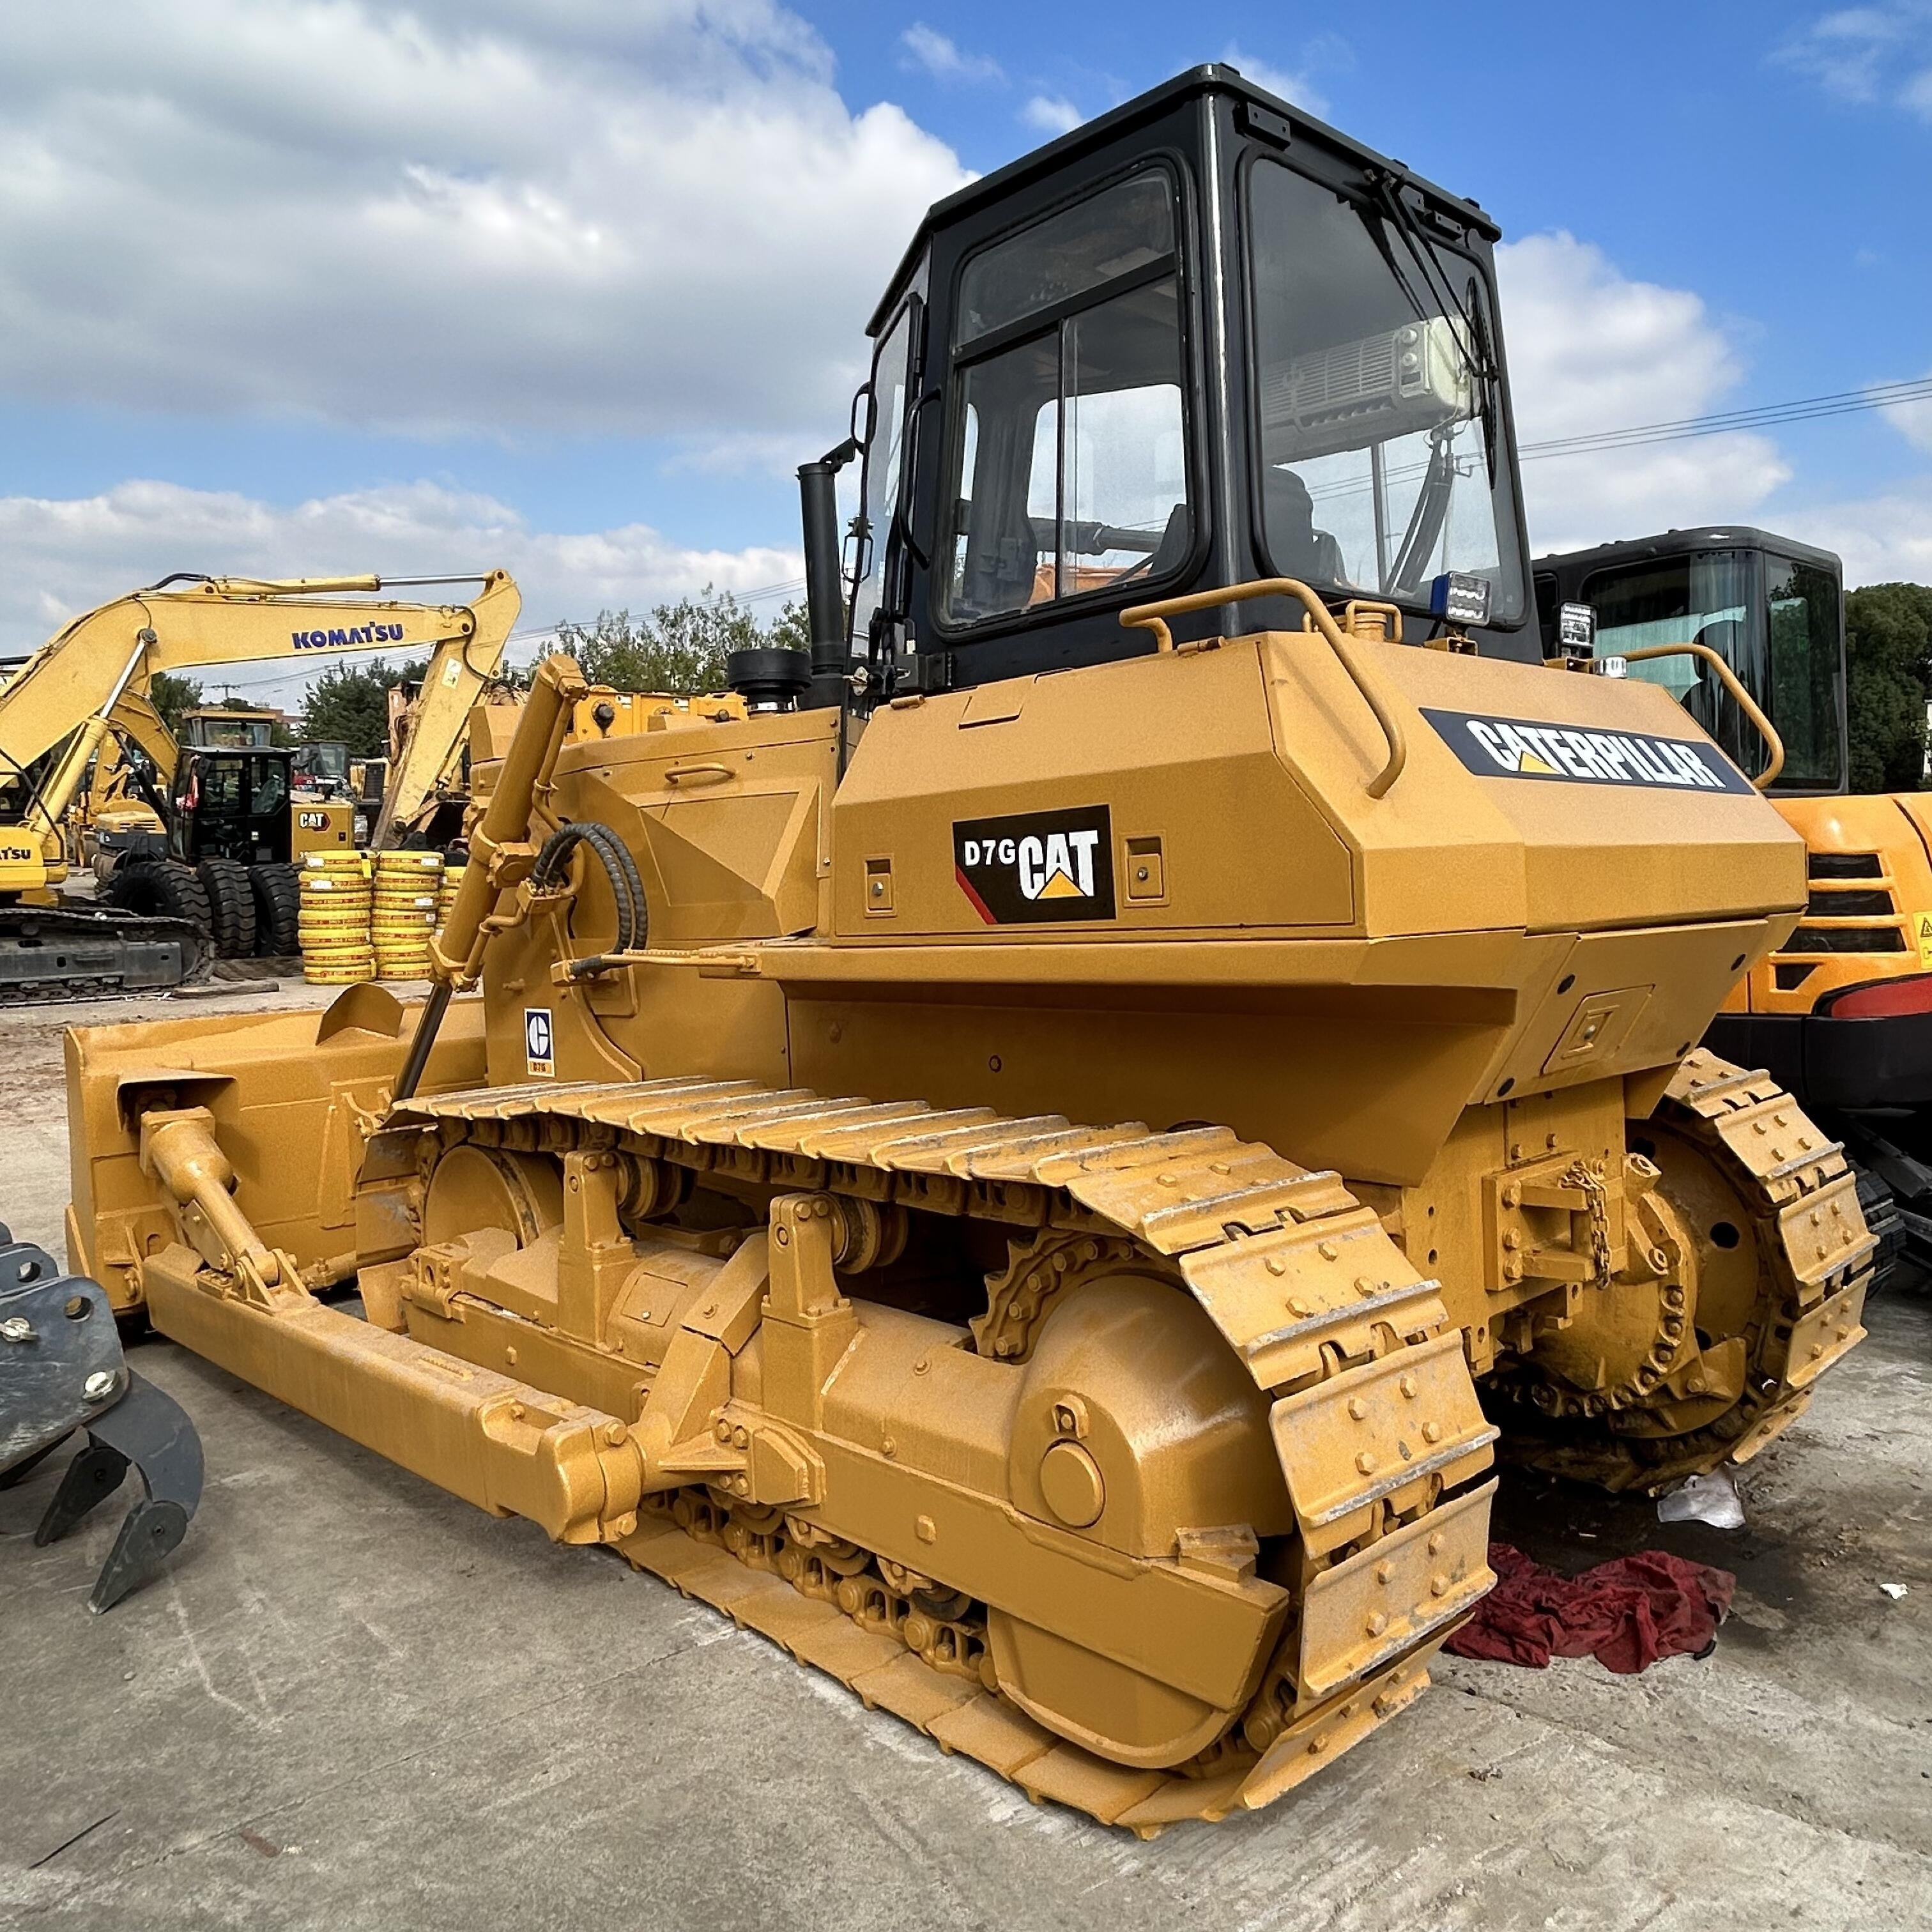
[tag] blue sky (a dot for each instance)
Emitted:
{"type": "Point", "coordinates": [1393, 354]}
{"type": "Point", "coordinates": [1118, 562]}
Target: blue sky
{"type": "Point", "coordinates": [295, 285]}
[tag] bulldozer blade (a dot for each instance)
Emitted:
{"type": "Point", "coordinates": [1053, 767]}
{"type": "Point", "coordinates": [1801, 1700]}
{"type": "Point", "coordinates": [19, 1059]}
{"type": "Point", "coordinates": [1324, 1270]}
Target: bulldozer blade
{"type": "Point", "coordinates": [150, 1433]}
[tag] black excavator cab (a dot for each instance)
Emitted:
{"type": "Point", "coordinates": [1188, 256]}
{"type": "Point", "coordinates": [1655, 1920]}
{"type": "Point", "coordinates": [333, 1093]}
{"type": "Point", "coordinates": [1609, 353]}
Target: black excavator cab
{"type": "Point", "coordinates": [1771, 607]}
{"type": "Point", "coordinates": [230, 804]}
{"type": "Point", "coordinates": [1099, 380]}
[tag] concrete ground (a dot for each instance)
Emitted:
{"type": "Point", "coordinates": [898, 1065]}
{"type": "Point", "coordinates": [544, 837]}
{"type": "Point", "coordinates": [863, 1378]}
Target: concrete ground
{"type": "Point", "coordinates": [353, 1701]}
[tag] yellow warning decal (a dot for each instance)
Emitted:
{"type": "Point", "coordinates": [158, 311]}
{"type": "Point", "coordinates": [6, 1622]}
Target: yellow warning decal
{"type": "Point", "coordinates": [1922, 926]}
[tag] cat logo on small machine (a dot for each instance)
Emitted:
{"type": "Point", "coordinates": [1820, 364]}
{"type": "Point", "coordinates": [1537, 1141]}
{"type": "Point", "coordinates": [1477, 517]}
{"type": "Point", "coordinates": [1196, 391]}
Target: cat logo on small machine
{"type": "Point", "coordinates": [539, 1043]}
{"type": "Point", "coordinates": [312, 821]}
{"type": "Point", "coordinates": [1036, 866]}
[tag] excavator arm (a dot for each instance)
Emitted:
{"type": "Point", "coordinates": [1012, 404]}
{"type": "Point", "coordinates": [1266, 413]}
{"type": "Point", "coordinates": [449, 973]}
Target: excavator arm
{"type": "Point", "coordinates": [455, 680]}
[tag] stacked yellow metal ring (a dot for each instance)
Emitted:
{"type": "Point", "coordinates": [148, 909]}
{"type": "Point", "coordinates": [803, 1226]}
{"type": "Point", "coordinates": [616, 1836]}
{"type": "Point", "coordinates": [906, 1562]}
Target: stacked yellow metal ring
{"type": "Point", "coordinates": [333, 918]}
{"type": "Point", "coordinates": [408, 885]}
{"type": "Point", "coordinates": [445, 900]}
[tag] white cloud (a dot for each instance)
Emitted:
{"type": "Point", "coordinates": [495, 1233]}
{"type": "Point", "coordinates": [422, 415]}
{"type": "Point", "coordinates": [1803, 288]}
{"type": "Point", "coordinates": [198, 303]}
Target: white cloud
{"type": "Point", "coordinates": [1882, 539]}
{"type": "Point", "coordinates": [927, 49]}
{"type": "Point", "coordinates": [635, 216]}
{"type": "Point", "coordinates": [1294, 86]}
{"type": "Point", "coordinates": [67, 556]}
{"type": "Point", "coordinates": [1913, 420]}
{"type": "Point", "coordinates": [1051, 115]}
{"type": "Point", "coordinates": [1590, 350]}
{"type": "Point", "coordinates": [1865, 55]}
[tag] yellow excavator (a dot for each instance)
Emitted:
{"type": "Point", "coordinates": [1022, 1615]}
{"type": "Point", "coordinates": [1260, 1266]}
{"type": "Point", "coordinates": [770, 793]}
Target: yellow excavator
{"type": "Point", "coordinates": [1841, 1012]}
{"type": "Point", "coordinates": [202, 846]}
{"type": "Point", "coordinates": [1040, 1166]}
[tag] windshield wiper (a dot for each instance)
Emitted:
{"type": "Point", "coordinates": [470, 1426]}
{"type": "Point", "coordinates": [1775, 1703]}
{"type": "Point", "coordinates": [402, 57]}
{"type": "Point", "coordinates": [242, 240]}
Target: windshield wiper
{"type": "Point", "coordinates": [1478, 354]}
{"type": "Point", "coordinates": [1426, 521]}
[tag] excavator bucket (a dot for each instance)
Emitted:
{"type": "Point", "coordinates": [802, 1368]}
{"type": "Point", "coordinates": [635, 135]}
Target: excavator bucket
{"type": "Point", "coordinates": [62, 1371]}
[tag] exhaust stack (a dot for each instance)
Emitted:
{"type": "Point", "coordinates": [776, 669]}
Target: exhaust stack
{"type": "Point", "coordinates": [824, 591]}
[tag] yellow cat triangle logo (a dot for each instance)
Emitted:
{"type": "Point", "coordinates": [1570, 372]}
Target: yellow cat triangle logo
{"type": "Point", "coordinates": [1530, 762]}
{"type": "Point", "coordinates": [1059, 887]}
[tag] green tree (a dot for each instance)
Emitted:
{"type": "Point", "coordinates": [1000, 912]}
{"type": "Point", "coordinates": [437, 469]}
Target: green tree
{"type": "Point", "coordinates": [1889, 655]}
{"type": "Point", "coordinates": [172, 695]}
{"type": "Point", "coordinates": [350, 703]}
{"type": "Point", "coordinates": [791, 628]}
{"type": "Point", "coordinates": [678, 648]}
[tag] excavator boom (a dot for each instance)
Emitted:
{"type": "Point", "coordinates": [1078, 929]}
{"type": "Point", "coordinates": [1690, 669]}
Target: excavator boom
{"type": "Point", "coordinates": [456, 680]}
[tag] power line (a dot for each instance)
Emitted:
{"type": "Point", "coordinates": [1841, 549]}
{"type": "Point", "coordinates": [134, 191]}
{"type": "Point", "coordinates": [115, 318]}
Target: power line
{"type": "Point", "coordinates": [1724, 422]}
{"type": "Point", "coordinates": [1642, 435]}
{"type": "Point", "coordinates": [1807, 409]}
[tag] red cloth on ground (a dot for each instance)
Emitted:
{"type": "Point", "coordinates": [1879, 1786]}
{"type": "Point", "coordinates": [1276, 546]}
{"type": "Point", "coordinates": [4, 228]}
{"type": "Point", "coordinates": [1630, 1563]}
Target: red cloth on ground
{"type": "Point", "coordinates": [1627, 1613]}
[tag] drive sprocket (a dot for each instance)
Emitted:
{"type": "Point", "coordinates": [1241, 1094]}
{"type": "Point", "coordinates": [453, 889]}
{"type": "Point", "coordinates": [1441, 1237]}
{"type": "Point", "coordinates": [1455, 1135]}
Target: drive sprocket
{"type": "Point", "coordinates": [1760, 1259]}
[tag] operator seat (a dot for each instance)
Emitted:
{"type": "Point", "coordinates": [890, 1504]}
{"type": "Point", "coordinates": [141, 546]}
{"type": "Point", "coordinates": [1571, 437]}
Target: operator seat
{"type": "Point", "coordinates": [1295, 547]}
{"type": "Point", "coordinates": [1706, 699]}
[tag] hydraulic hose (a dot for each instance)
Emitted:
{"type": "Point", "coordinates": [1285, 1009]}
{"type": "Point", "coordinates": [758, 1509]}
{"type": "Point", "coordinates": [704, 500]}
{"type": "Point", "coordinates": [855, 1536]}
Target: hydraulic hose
{"type": "Point", "coordinates": [627, 887]}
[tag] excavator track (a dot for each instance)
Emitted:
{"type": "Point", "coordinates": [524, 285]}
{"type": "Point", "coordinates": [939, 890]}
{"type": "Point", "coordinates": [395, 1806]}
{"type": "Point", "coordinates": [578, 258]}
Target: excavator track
{"type": "Point", "coordinates": [74, 952]}
{"type": "Point", "coordinates": [1796, 1232]}
{"type": "Point", "coordinates": [1373, 1417]}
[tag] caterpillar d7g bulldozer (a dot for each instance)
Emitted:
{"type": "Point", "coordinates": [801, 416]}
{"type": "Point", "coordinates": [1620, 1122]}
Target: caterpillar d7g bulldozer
{"type": "Point", "coordinates": [1035, 1167]}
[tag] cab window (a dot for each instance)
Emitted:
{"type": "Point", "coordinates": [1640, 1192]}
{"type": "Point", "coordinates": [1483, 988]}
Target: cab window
{"type": "Point", "coordinates": [1702, 599]}
{"type": "Point", "coordinates": [1069, 475]}
{"type": "Point", "coordinates": [1802, 605]}
{"type": "Point", "coordinates": [885, 461]}
{"type": "Point", "coordinates": [1788, 661]}
{"type": "Point", "coordinates": [271, 787]}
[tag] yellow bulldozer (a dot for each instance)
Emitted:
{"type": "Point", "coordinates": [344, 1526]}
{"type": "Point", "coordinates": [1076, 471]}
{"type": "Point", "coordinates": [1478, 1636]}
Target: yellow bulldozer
{"type": "Point", "coordinates": [1039, 1166]}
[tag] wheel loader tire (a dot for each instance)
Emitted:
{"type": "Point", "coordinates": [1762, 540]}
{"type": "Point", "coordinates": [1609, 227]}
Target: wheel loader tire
{"type": "Point", "coordinates": [231, 902]}
{"type": "Point", "coordinates": [161, 888]}
{"type": "Point", "coordinates": [278, 890]}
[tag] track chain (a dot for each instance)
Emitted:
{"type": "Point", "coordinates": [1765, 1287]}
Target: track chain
{"type": "Point", "coordinates": [1816, 1255]}
{"type": "Point", "coordinates": [36, 935]}
{"type": "Point", "coordinates": [1373, 1417]}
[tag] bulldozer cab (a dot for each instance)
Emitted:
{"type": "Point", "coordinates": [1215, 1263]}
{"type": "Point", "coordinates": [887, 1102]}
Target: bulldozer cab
{"type": "Point", "coordinates": [1774, 609]}
{"type": "Point", "coordinates": [232, 804]}
{"type": "Point", "coordinates": [1100, 379]}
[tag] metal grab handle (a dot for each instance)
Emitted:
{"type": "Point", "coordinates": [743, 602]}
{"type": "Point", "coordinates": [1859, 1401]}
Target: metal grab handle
{"type": "Point", "coordinates": [1728, 678]}
{"type": "Point", "coordinates": [684, 772]}
{"type": "Point", "coordinates": [1153, 617]}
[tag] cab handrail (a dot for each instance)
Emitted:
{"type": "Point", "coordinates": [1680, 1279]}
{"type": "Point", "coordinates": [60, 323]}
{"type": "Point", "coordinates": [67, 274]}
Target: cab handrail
{"type": "Point", "coordinates": [1729, 679]}
{"type": "Point", "coordinates": [1153, 617]}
